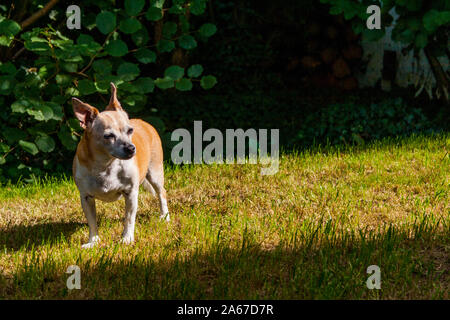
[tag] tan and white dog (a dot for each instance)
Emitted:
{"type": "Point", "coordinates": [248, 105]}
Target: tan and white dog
{"type": "Point", "coordinates": [115, 156]}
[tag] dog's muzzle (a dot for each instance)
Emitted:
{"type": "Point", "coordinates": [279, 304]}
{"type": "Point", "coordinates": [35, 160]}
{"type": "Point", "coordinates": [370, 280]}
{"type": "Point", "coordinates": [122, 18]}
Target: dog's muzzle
{"type": "Point", "coordinates": [129, 150]}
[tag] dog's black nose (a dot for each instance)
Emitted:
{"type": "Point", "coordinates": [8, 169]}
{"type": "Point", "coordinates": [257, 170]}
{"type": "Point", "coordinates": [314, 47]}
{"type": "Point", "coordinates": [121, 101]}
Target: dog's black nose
{"type": "Point", "coordinates": [130, 148]}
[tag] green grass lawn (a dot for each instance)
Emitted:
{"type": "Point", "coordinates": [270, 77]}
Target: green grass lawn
{"type": "Point", "coordinates": [308, 232]}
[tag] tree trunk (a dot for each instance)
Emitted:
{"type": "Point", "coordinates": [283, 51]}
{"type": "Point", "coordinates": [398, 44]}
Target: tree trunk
{"type": "Point", "coordinates": [439, 74]}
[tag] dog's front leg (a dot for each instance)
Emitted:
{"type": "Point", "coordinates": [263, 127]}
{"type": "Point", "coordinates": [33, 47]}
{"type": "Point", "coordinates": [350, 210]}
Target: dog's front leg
{"type": "Point", "coordinates": [88, 205]}
{"type": "Point", "coordinates": [131, 203]}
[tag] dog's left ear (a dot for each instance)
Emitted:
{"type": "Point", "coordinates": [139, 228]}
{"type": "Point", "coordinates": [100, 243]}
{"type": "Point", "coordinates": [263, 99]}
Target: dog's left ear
{"type": "Point", "coordinates": [114, 104]}
{"type": "Point", "coordinates": [85, 113]}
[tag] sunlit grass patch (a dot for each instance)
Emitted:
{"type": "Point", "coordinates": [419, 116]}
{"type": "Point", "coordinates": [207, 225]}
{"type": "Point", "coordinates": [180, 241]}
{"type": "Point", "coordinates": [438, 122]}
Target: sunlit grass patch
{"type": "Point", "coordinates": [309, 231]}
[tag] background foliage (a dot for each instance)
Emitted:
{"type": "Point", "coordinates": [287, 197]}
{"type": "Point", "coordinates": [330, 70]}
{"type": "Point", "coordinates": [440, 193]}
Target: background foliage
{"type": "Point", "coordinates": [137, 44]}
{"type": "Point", "coordinates": [164, 54]}
{"type": "Point", "coordinates": [422, 24]}
{"type": "Point", "coordinates": [353, 123]}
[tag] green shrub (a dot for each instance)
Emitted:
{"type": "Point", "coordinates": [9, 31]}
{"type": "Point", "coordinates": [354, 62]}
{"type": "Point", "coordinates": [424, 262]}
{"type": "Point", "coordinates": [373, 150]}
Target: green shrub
{"type": "Point", "coordinates": [422, 24]}
{"type": "Point", "coordinates": [351, 123]}
{"type": "Point", "coordinates": [133, 45]}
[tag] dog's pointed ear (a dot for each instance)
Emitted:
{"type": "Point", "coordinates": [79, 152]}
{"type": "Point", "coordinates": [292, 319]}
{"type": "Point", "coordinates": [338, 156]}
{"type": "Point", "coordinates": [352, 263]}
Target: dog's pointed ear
{"type": "Point", "coordinates": [114, 104]}
{"type": "Point", "coordinates": [84, 112]}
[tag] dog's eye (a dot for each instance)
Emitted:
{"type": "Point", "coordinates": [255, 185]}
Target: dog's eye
{"type": "Point", "coordinates": [130, 131]}
{"type": "Point", "coordinates": [109, 136]}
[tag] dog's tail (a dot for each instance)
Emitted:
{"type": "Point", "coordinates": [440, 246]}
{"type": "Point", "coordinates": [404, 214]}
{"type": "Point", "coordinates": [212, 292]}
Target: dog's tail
{"type": "Point", "coordinates": [147, 186]}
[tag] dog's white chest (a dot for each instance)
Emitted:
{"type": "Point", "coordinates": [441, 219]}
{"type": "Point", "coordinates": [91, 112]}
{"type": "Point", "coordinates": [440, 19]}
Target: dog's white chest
{"type": "Point", "coordinates": [107, 184]}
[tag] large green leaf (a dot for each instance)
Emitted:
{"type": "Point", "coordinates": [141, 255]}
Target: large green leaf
{"type": "Point", "coordinates": [37, 45]}
{"type": "Point", "coordinates": [29, 147]}
{"type": "Point", "coordinates": [421, 40]}
{"type": "Point", "coordinates": [184, 24]}
{"type": "Point", "coordinates": [63, 79]}
{"type": "Point", "coordinates": [174, 72]}
{"type": "Point", "coordinates": [40, 112]}
{"type": "Point", "coordinates": [140, 37]}
{"type": "Point", "coordinates": [145, 56]}
{"type": "Point", "coordinates": [135, 102]}
{"type": "Point", "coordinates": [130, 25]}
{"type": "Point", "coordinates": [4, 148]}
{"type": "Point", "coordinates": [128, 71]}
{"type": "Point", "coordinates": [164, 83]}
{"type": "Point", "coordinates": [6, 84]}
{"type": "Point", "coordinates": [207, 82]}
{"type": "Point", "coordinates": [46, 111]}
{"type": "Point", "coordinates": [195, 71]}
{"type": "Point", "coordinates": [145, 84]}
{"type": "Point", "coordinates": [129, 87]}
{"type": "Point", "coordinates": [86, 87]}
{"type": "Point", "coordinates": [187, 42]}
{"type": "Point", "coordinates": [177, 9]}
{"type": "Point", "coordinates": [67, 138]}
{"type": "Point", "coordinates": [106, 22]}
{"type": "Point", "coordinates": [45, 143]}
{"type": "Point", "coordinates": [154, 14]}
{"type": "Point", "coordinates": [6, 40]}
{"type": "Point", "coordinates": [69, 67]}
{"type": "Point", "coordinates": [57, 110]}
{"type": "Point", "coordinates": [86, 40]}
{"type": "Point", "coordinates": [169, 29]}
{"type": "Point", "coordinates": [117, 48]}
{"type": "Point", "coordinates": [183, 84]}
{"type": "Point", "coordinates": [13, 135]}
{"type": "Point", "coordinates": [433, 19]}
{"type": "Point", "coordinates": [198, 7]}
{"type": "Point", "coordinates": [20, 106]}
{"type": "Point", "coordinates": [9, 27]}
{"type": "Point", "coordinates": [165, 45]}
{"type": "Point", "coordinates": [102, 66]}
{"type": "Point", "coordinates": [70, 54]}
{"type": "Point", "coordinates": [8, 68]}
{"type": "Point", "coordinates": [207, 30]}
{"type": "Point", "coordinates": [429, 20]}
{"type": "Point", "coordinates": [103, 86]}
{"type": "Point", "coordinates": [133, 7]}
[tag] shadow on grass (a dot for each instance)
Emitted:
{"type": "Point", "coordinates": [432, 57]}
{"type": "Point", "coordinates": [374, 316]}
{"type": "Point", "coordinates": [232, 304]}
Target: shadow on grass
{"type": "Point", "coordinates": [322, 264]}
{"type": "Point", "coordinates": [20, 237]}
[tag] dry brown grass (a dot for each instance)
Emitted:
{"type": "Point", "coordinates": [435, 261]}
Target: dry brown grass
{"type": "Point", "coordinates": [237, 234]}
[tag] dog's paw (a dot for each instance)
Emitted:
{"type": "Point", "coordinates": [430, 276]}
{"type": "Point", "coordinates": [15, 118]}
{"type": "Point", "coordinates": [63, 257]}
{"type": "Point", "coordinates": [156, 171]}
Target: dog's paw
{"type": "Point", "coordinates": [165, 216]}
{"type": "Point", "coordinates": [92, 243]}
{"type": "Point", "coordinates": [88, 245]}
{"type": "Point", "coordinates": [127, 239]}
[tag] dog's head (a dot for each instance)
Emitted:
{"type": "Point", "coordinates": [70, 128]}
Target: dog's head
{"type": "Point", "coordinates": [110, 131]}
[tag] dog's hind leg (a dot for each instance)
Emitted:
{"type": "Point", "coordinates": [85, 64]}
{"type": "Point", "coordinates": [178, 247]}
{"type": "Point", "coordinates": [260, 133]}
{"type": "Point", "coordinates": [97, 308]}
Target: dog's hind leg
{"type": "Point", "coordinates": [155, 175]}
{"type": "Point", "coordinates": [148, 187]}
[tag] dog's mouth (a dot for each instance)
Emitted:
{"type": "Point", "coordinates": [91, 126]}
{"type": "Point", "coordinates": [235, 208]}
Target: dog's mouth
{"type": "Point", "coordinates": [124, 156]}
{"type": "Point", "coordinates": [128, 157]}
